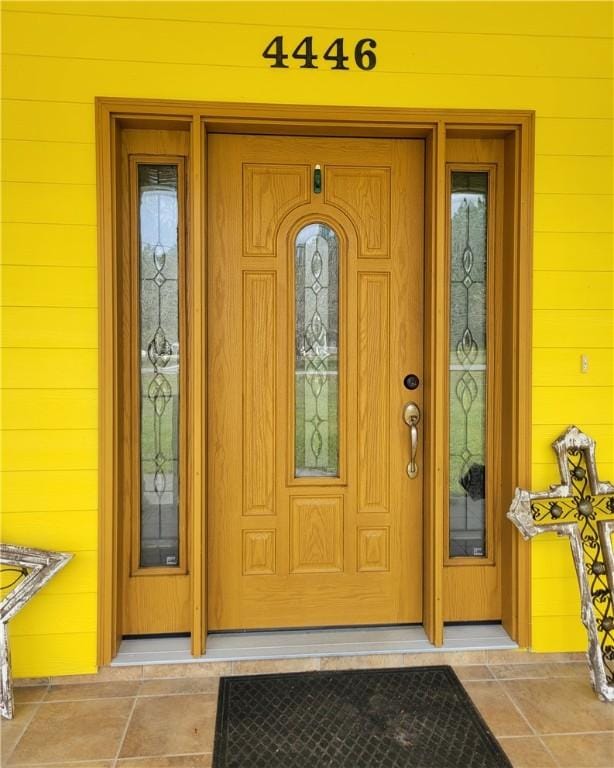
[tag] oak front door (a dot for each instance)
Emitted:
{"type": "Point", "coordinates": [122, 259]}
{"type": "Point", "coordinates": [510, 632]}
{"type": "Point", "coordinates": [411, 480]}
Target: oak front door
{"type": "Point", "coordinates": [314, 317]}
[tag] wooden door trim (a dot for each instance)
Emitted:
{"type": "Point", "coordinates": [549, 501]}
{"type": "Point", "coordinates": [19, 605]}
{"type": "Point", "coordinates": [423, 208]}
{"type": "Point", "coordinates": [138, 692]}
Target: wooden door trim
{"type": "Point", "coordinates": [434, 126]}
{"type": "Point", "coordinates": [435, 361]}
{"type": "Point", "coordinates": [197, 377]}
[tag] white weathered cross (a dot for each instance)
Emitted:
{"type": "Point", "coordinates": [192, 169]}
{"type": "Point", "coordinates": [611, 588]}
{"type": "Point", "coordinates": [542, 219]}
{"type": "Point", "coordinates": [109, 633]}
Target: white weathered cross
{"type": "Point", "coordinates": [28, 570]}
{"type": "Point", "coordinates": [581, 508]}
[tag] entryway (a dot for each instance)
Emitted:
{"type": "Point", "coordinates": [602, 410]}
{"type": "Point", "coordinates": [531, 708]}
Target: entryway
{"type": "Point", "coordinates": [279, 362]}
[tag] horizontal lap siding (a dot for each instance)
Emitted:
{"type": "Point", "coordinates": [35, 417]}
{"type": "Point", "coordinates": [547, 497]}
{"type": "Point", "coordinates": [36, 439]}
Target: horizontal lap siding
{"type": "Point", "coordinates": [553, 58]}
{"type": "Point", "coordinates": [573, 315]}
{"type": "Point", "coordinates": [49, 445]}
{"type": "Point", "coordinates": [74, 80]}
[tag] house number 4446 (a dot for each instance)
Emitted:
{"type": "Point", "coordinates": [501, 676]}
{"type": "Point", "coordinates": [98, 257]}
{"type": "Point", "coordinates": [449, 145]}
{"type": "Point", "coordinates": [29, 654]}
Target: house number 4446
{"type": "Point", "coordinates": [364, 54]}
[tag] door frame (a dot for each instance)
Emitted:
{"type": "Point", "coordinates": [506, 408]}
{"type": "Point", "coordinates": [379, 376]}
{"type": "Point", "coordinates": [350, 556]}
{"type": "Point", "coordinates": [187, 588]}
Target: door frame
{"type": "Point", "coordinates": [434, 127]}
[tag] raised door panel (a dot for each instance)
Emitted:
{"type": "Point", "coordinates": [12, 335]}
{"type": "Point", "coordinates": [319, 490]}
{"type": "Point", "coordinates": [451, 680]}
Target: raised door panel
{"type": "Point", "coordinates": [259, 388]}
{"type": "Point", "coordinates": [373, 550]}
{"type": "Point", "coordinates": [316, 535]}
{"type": "Point", "coordinates": [258, 552]}
{"type": "Point", "coordinates": [365, 194]}
{"type": "Point", "coordinates": [269, 193]}
{"type": "Point", "coordinates": [373, 416]}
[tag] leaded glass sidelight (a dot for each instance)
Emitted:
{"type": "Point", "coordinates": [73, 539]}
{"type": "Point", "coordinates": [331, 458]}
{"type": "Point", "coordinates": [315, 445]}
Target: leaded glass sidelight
{"type": "Point", "coordinates": [468, 363]}
{"type": "Point", "coordinates": [159, 364]}
{"type": "Point", "coordinates": [317, 352]}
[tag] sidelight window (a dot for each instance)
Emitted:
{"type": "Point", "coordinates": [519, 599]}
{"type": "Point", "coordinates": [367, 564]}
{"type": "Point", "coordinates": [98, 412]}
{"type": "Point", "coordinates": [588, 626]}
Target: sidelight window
{"type": "Point", "coordinates": [159, 364]}
{"type": "Point", "coordinates": [468, 362]}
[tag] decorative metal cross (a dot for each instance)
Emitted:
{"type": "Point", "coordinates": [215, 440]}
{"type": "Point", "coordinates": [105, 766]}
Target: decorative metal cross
{"type": "Point", "coordinates": [581, 508]}
{"type": "Point", "coordinates": [24, 572]}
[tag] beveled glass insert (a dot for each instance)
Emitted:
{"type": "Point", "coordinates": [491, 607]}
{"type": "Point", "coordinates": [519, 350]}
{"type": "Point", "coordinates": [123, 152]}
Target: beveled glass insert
{"type": "Point", "coordinates": [159, 363]}
{"type": "Point", "coordinates": [317, 352]}
{"type": "Point", "coordinates": [468, 361]}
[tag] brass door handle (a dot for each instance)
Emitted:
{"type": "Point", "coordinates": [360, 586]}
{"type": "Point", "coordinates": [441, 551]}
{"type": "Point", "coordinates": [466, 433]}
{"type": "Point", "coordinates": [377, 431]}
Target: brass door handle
{"type": "Point", "coordinates": [411, 416]}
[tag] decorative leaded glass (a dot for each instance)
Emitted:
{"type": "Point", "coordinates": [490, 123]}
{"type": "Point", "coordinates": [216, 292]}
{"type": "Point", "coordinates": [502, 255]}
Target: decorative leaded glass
{"type": "Point", "coordinates": [317, 352]}
{"type": "Point", "coordinates": [159, 363]}
{"type": "Point", "coordinates": [468, 360]}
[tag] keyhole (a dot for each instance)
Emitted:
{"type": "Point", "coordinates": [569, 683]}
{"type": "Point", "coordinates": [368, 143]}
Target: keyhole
{"type": "Point", "coordinates": [411, 381]}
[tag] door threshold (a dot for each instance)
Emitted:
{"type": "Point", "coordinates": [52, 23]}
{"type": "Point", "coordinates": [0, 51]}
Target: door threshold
{"type": "Point", "coordinates": [312, 643]}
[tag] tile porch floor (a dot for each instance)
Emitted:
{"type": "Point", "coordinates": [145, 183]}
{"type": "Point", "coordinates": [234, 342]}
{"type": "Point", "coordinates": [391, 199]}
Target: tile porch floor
{"type": "Point", "coordinates": [540, 706]}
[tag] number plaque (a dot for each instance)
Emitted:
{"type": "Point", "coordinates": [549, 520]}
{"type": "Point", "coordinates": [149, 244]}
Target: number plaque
{"type": "Point", "coordinates": [364, 54]}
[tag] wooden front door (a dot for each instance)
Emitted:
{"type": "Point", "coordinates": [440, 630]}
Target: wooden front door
{"type": "Point", "coordinates": [315, 261]}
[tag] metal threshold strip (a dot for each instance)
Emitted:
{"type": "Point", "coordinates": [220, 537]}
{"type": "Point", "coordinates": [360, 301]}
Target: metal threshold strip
{"type": "Point", "coordinates": [296, 644]}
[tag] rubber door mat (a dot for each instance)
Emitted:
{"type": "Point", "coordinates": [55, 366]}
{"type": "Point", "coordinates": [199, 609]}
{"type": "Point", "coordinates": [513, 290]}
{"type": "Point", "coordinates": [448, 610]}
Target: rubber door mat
{"type": "Point", "coordinates": [385, 718]}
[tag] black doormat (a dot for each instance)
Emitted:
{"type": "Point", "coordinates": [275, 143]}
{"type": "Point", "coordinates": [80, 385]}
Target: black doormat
{"type": "Point", "coordinates": [417, 717]}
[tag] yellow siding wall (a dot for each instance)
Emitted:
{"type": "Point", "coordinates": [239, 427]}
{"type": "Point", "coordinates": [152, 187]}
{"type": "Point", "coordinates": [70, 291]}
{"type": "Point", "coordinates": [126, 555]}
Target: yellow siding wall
{"type": "Point", "coordinates": [554, 58]}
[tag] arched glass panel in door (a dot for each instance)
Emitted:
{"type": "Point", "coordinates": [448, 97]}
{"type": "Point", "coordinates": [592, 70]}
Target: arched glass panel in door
{"type": "Point", "coordinates": [316, 370]}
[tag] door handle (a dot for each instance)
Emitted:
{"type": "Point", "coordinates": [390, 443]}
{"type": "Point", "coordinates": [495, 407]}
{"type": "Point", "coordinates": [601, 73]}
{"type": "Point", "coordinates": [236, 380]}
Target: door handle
{"type": "Point", "coordinates": [411, 416]}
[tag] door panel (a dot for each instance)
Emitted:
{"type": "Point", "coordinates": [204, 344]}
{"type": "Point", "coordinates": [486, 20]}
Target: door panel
{"type": "Point", "coordinates": [338, 539]}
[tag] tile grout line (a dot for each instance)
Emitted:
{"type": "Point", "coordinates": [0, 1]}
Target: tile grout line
{"type": "Point", "coordinates": [516, 707]}
{"type": "Point", "coordinates": [233, 672]}
{"type": "Point", "coordinates": [88, 698]}
{"type": "Point", "coordinates": [445, 656]}
{"type": "Point", "coordinates": [539, 677]}
{"type": "Point", "coordinates": [580, 733]}
{"type": "Point", "coordinates": [534, 732]}
{"type": "Point", "coordinates": [67, 764]}
{"type": "Point", "coordinates": [128, 721]}
{"type": "Point", "coordinates": [128, 696]}
{"type": "Point", "coordinates": [26, 726]}
{"type": "Point", "coordinates": [123, 737]}
{"type": "Point", "coordinates": [549, 752]}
